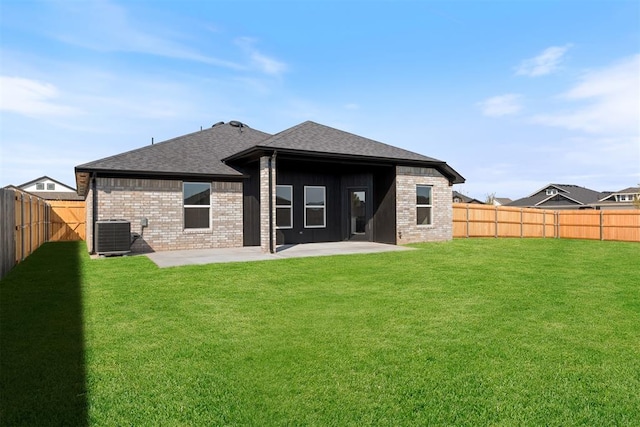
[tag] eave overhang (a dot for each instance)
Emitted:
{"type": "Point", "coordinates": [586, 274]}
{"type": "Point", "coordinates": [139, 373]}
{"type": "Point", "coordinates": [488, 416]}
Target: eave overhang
{"type": "Point", "coordinates": [254, 153]}
{"type": "Point", "coordinates": [83, 176]}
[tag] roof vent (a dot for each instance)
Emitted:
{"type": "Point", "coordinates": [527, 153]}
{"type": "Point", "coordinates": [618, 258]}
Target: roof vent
{"type": "Point", "coordinates": [237, 124]}
{"type": "Point", "coordinates": [217, 124]}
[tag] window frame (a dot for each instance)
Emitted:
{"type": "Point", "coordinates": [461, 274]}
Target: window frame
{"type": "Point", "coordinates": [185, 207]}
{"type": "Point", "coordinates": [423, 205]}
{"type": "Point", "coordinates": [289, 206]}
{"type": "Point", "coordinates": [40, 186]}
{"type": "Point", "coordinates": [324, 206]}
{"type": "Point", "coordinates": [51, 186]}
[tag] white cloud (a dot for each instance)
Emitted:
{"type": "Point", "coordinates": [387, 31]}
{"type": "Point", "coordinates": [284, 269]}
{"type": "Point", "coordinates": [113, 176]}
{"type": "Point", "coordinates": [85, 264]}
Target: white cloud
{"type": "Point", "coordinates": [259, 60]}
{"type": "Point", "coordinates": [502, 105]}
{"type": "Point", "coordinates": [609, 101]}
{"type": "Point", "coordinates": [105, 26]}
{"type": "Point", "coordinates": [32, 98]}
{"type": "Point", "coordinates": [545, 63]}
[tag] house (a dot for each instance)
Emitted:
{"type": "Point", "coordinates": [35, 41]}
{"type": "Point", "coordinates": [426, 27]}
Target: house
{"type": "Point", "coordinates": [50, 189]}
{"type": "Point", "coordinates": [461, 198]}
{"type": "Point", "coordinates": [232, 186]}
{"type": "Point", "coordinates": [623, 199]}
{"type": "Point", "coordinates": [560, 196]}
{"type": "Point", "coordinates": [501, 201]}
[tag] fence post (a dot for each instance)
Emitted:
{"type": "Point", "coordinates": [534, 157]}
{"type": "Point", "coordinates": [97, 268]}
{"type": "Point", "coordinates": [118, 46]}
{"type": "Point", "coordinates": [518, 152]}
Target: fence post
{"type": "Point", "coordinates": [467, 220]}
{"type": "Point", "coordinates": [601, 225]}
{"type": "Point", "coordinates": [521, 223]}
{"type": "Point", "coordinates": [495, 214]}
{"type": "Point", "coordinates": [30, 225]}
{"type": "Point", "coordinates": [22, 226]}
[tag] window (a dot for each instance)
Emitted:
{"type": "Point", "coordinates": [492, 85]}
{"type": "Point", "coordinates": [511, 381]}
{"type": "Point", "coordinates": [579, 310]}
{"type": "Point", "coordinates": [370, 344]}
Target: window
{"type": "Point", "coordinates": [284, 206]}
{"type": "Point", "coordinates": [552, 191]}
{"type": "Point", "coordinates": [314, 207]}
{"type": "Point", "coordinates": [40, 186]}
{"type": "Point", "coordinates": [197, 204]}
{"type": "Point", "coordinates": [51, 186]}
{"type": "Point", "coordinates": [423, 204]}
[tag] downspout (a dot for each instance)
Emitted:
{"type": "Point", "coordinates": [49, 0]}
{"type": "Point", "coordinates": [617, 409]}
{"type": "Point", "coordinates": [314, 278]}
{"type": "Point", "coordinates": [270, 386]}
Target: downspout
{"type": "Point", "coordinates": [94, 212]}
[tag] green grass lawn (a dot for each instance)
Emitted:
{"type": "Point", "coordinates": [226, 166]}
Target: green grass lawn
{"type": "Point", "coordinates": [476, 332]}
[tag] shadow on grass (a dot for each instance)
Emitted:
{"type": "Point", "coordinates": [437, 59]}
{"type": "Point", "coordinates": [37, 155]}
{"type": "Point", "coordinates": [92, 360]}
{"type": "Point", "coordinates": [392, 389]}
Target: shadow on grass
{"type": "Point", "coordinates": [42, 370]}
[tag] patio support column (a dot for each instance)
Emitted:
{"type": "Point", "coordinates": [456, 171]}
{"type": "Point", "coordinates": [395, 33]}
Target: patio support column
{"type": "Point", "coordinates": [267, 203]}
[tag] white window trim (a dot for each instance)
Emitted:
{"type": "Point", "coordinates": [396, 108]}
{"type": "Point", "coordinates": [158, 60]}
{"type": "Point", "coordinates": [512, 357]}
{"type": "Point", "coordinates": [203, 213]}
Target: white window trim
{"type": "Point", "coordinates": [552, 191]}
{"type": "Point", "coordinates": [324, 208]}
{"type": "Point", "coordinates": [196, 206]}
{"type": "Point", "coordinates": [425, 206]}
{"type": "Point", "coordinates": [290, 207]}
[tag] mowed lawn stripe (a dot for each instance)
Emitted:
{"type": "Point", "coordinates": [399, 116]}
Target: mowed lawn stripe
{"type": "Point", "coordinates": [468, 332]}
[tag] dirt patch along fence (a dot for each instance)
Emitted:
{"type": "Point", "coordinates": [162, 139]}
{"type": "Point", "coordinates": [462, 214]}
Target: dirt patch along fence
{"type": "Point", "coordinates": [474, 220]}
{"type": "Point", "coordinates": [27, 221]}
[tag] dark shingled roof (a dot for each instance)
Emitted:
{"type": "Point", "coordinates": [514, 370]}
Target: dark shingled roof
{"type": "Point", "coordinates": [198, 153]}
{"type": "Point", "coordinates": [313, 137]}
{"type": "Point", "coordinates": [208, 152]}
{"type": "Point", "coordinates": [572, 194]}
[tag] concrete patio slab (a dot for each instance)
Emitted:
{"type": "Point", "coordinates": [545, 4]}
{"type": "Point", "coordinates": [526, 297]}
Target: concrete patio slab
{"type": "Point", "coordinates": [254, 253]}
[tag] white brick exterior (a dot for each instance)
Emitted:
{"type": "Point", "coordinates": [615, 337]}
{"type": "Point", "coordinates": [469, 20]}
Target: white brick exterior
{"type": "Point", "coordinates": [161, 202]}
{"type": "Point", "coordinates": [407, 178]}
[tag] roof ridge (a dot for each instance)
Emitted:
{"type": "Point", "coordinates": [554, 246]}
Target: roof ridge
{"type": "Point", "coordinates": [285, 132]}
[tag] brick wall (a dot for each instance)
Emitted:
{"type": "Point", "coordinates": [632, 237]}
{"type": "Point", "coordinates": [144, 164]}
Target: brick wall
{"type": "Point", "coordinates": [161, 202]}
{"type": "Point", "coordinates": [442, 213]}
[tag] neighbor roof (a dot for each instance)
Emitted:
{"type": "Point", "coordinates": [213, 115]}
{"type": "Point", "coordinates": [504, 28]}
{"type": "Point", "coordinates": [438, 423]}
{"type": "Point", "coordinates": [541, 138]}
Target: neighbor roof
{"type": "Point", "coordinates": [465, 199]}
{"type": "Point", "coordinates": [611, 194]}
{"type": "Point", "coordinates": [44, 178]}
{"type": "Point", "coordinates": [573, 194]}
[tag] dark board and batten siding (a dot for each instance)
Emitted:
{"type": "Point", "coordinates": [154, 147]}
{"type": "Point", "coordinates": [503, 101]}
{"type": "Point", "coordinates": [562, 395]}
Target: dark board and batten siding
{"type": "Point", "coordinates": [339, 180]}
{"type": "Point", "coordinates": [299, 234]}
{"type": "Point", "coordinates": [384, 211]}
{"type": "Point", "coordinates": [251, 206]}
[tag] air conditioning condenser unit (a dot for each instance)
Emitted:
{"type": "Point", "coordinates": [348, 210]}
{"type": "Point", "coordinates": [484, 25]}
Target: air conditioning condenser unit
{"type": "Point", "coordinates": [113, 237]}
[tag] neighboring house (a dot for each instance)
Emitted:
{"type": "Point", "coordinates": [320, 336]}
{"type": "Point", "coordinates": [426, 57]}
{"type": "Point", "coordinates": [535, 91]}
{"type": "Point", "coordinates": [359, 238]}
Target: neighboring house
{"type": "Point", "coordinates": [501, 201]}
{"type": "Point", "coordinates": [461, 198]}
{"type": "Point", "coordinates": [560, 196]}
{"type": "Point", "coordinates": [231, 186]}
{"type": "Point", "coordinates": [623, 199]}
{"type": "Point", "coordinates": [50, 189]}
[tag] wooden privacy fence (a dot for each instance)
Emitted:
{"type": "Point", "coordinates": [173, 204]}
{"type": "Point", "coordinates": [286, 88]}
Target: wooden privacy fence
{"type": "Point", "coordinates": [474, 220]}
{"type": "Point", "coordinates": [68, 220]}
{"type": "Point", "coordinates": [27, 221]}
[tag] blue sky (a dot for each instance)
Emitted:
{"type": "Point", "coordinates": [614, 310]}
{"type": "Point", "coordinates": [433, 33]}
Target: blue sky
{"type": "Point", "coordinates": [512, 94]}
